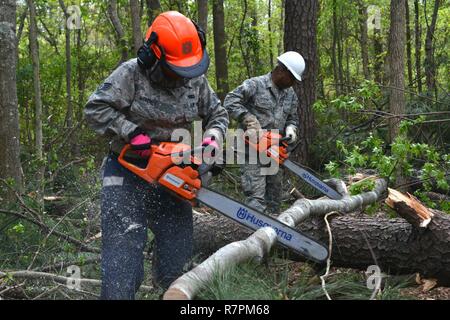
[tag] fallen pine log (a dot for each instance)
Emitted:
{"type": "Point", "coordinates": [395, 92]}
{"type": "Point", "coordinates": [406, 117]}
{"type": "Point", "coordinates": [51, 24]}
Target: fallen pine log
{"type": "Point", "coordinates": [260, 242]}
{"type": "Point", "coordinates": [397, 246]}
{"type": "Point", "coordinates": [359, 241]}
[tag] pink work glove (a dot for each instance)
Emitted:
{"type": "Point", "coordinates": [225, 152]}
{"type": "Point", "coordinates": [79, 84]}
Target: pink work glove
{"type": "Point", "coordinates": [140, 144]}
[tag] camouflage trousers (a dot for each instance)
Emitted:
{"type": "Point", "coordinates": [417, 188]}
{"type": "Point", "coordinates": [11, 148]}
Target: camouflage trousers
{"type": "Point", "coordinates": [263, 192]}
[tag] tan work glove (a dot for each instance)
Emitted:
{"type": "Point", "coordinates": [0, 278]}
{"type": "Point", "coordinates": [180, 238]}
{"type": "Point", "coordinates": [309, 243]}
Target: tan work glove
{"type": "Point", "coordinates": [252, 126]}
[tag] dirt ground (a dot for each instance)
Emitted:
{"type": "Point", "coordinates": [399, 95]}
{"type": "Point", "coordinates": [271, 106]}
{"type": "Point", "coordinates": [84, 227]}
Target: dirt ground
{"type": "Point", "coordinates": [439, 293]}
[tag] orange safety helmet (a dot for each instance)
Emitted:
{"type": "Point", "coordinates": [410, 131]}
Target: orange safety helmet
{"type": "Point", "coordinates": [178, 43]}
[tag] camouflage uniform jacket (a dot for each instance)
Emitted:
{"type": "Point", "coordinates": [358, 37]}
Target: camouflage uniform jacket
{"type": "Point", "coordinates": [274, 108]}
{"type": "Point", "coordinates": [130, 98]}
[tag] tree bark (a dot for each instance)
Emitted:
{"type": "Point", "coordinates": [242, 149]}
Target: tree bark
{"type": "Point", "coordinates": [202, 14]}
{"type": "Point", "coordinates": [69, 113]}
{"type": "Point", "coordinates": [255, 42]}
{"type": "Point", "coordinates": [430, 64]}
{"type": "Point", "coordinates": [241, 36]}
{"type": "Point", "coordinates": [418, 42]}
{"type": "Point", "coordinates": [378, 51]}
{"type": "Point", "coordinates": [408, 45]}
{"type": "Point", "coordinates": [364, 39]}
{"type": "Point", "coordinates": [153, 10]}
{"type": "Point", "coordinates": [282, 21]}
{"type": "Point", "coordinates": [34, 52]}
{"type": "Point", "coordinates": [120, 33]}
{"type": "Point", "coordinates": [178, 5]}
{"type": "Point", "coordinates": [396, 65]}
{"type": "Point", "coordinates": [337, 80]}
{"type": "Point", "coordinates": [136, 25]}
{"type": "Point", "coordinates": [22, 18]}
{"type": "Point", "coordinates": [10, 167]}
{"type": "Point", "coordinates": [220, 49]}
{"type": "Point", "coordinates": [340, 52]}
{"type": "Point", "coordinates": [269, 28]}
{"type": "Point", "coordinates": [300, 35]}
{"type": "Point", "coordinates": [398, 247]}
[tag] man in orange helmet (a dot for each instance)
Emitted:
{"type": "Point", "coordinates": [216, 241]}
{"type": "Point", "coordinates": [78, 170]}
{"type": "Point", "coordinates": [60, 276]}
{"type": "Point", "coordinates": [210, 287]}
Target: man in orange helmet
{"type": "Point", "coordinates": [143, 101]}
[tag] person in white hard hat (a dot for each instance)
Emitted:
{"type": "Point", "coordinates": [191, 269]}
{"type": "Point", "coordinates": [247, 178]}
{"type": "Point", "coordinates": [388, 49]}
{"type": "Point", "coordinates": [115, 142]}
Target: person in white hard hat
{"type": "Point", "coordinates": [267, 102]}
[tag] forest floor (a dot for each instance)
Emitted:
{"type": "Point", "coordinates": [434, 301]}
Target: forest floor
{"type": "Point", "coordinates": [276, 279]}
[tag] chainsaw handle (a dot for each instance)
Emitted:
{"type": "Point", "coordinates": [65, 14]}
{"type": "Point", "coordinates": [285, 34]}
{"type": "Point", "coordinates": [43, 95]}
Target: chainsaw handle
{"type": "Point", "coordinates": [142, 172]}
{"type": "Point", "coordinates": [191, 152]}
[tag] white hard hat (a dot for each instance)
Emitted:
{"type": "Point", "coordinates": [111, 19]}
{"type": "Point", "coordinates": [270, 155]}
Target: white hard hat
{"type": "Point", "coordinates": [294, 62]}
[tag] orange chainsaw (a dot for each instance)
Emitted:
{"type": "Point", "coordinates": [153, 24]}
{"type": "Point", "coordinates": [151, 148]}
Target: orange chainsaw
{"type": "Point", "coordinates": [275, 147]}
{"type": "Point", "coordinates": [185, 179]}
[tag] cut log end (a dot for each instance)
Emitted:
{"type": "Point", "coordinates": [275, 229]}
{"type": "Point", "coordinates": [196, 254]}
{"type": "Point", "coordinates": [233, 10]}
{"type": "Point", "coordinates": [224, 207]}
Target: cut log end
{"type": "Point", "coordinates": [175, 294]}
{"type": "Point", "coordinates": [409, 208]}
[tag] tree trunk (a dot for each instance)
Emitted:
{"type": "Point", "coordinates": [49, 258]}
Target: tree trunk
{"type": "Point", "coordinates": [69, 113]}
{"type": "Point", "coordinates": [220, 49]}
{"type": "Point", "coordinates": [153, 10]}
{"type": "Point", "coordinates": [358, 242]}
{"type": "Point", "coordinates": [300, 35]}
{"type": "Point", "coordinates": [418, 42]}
{"type": "Point", "coordinates": [22, 18]}
{"type": "Point", "coordinates": [408, 45]}
{"type": "Point", "coordinates": [430, 64]}
{"type": "Point", "coordinates": [178, 5]}
{"type": "Point", "coordinates": [136, 25]}
{"type": "Point", "coordinates": [255, 43]}
{"type": "Point", "coordinates": [202, 14]}
{"type": "Point", "coordinates": [269, 28]}
{"type": "Point", "coordinates": [337, 81]}
{"type": "Point", "coordinates": [10, 167]}
{"type": "Point", "coordinates": [364, 39]}
{"type": "Point", "coordinates": [245, 54]}
{"type": "Point", "coordinates": [340, 51]}
{"type": "Point", "coordinates": [396, 65]}
{"type": "Point", "coordinates": [282, 20]}
{"type": "Point", "coordinates": [34, 52]}
{"type": "Point", "coordinates": [120, 33]}
{"type": "Point", "coordinates": [378, 51]}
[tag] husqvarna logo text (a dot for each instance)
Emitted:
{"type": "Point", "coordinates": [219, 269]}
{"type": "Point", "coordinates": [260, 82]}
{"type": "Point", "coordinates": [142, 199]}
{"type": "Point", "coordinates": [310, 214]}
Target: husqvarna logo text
{"type": "Point", "coordinates": [247, 217]}
{"type": "Point", "coordinates": [315, 182]}
{"type": "Point", "coordinates": [242, 212]}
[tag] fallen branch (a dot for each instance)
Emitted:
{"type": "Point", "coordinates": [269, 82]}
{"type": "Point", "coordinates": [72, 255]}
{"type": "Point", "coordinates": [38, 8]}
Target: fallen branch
{"type": "Point", "coordinates": [408, 207]}
{"type": "Point", "coordinates": [63, 265]}
{"type": "Point", "coordinates": [35, 275]}
{"type": "Point", "coordinates": [56, 233]}
{"type": "Point", "coordinates": [260, 242]}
